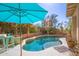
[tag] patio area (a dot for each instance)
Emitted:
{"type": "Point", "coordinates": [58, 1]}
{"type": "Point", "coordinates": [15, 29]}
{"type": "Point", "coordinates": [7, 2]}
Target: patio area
{"type": "Point", "coordinates": [52, 51]}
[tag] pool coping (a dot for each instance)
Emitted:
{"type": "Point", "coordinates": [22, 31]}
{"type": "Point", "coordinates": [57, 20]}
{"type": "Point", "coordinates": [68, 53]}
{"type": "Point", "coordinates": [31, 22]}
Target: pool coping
{"type": "Point", "coordinates": [48, 50]}
{"type": "Point", "coordinates": [62, 39]}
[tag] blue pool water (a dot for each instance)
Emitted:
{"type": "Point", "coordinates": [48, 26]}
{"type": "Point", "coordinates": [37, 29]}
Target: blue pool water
{"type": "Point", "coordinates": [41, 43]}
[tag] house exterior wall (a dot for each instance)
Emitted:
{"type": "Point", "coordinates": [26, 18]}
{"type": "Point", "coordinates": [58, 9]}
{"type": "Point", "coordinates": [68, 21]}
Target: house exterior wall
{"type": "Point", "coordinates": [74, 26]}
{"type": "Point", "coordinates": [74, 15]}
{"type": "Point", "coordinates": [77, 23]}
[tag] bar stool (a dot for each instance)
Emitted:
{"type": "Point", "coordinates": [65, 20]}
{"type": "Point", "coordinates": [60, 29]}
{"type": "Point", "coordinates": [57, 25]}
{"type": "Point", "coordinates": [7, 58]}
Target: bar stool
{"type": "Point", "coordinates": [3, 40]}
{"type": "Point", "coordinates": [8, 39]}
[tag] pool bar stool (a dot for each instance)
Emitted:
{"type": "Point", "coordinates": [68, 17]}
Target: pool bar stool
{"type": "Point", "coordinates": [3, 40]}
{"type": "Point", "coordinates": [8, 39]}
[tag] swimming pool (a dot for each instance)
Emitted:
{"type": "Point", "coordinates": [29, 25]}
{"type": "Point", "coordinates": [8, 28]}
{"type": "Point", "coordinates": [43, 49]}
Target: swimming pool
{"type": "Point", "coordinates": [41, 43]}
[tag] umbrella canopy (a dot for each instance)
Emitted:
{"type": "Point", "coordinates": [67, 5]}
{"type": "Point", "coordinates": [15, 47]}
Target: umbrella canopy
{"type": "Point", "coordinates": [21, 13]}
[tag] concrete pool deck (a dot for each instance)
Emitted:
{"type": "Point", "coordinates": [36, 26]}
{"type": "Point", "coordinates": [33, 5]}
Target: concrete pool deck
{"type": "Point", "coordinates": [47, 52]}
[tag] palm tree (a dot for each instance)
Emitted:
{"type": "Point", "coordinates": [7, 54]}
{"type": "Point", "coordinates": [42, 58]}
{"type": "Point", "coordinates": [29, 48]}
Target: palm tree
{"type": "Point", "coordinates": [69, 26]}
{"type": "Point", "coordinates": [53, 19]}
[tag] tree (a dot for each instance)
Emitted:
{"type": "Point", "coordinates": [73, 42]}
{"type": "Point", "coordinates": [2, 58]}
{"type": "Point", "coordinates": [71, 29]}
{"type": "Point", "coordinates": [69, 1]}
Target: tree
{"type": "Point", "coordinates": [7, 27]}
{"type": "Point", "coordinates": [60, 26]}
{"type": "Point", "coordinates": [51, 19]}
{"type": "Point", "coordinates": [69, 26]}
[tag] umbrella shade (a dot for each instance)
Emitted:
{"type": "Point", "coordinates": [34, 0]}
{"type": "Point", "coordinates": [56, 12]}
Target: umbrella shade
{"type": "Point", "coordinates": [28, 12]}
{"type": "Point", "coordinates": [21, 13]}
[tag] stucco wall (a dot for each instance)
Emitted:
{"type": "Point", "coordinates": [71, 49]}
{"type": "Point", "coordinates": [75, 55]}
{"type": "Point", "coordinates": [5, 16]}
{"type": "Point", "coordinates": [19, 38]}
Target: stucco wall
{"type": "Point", "coordinates": [74, 25]}
{"type": "Point", "coordinates": [77, 23]}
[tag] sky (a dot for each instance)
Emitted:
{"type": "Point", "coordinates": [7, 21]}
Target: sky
{"type": "Point", "coordinates": [56, 8]}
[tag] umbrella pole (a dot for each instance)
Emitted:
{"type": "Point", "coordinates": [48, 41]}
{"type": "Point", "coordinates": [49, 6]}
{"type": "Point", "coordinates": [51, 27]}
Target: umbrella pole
{"type": "Point", "coordinates": [20, 40]}
{"type": "Point", "coordinates": [20, 32]}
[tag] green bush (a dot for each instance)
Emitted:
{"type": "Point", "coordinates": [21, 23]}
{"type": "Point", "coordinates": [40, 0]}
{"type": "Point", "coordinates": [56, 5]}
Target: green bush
{"type": "Point", "coordinates": [32, 31]}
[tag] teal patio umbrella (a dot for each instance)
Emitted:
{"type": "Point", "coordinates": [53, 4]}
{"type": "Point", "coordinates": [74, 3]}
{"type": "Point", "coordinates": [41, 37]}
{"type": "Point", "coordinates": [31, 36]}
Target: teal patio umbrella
{"type": "Point", "coordinates": [21, 13]}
